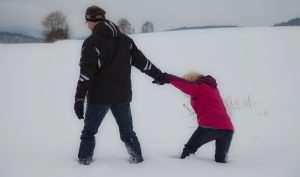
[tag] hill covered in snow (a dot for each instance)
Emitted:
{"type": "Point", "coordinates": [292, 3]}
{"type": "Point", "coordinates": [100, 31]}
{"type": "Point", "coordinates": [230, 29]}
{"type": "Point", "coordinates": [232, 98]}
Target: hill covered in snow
{"type": "Point", "coordinates": [257, 70]}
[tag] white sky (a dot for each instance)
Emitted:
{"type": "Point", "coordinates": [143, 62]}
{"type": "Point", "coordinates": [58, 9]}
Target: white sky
{"type": "Point", "coordinates": [165, 14]}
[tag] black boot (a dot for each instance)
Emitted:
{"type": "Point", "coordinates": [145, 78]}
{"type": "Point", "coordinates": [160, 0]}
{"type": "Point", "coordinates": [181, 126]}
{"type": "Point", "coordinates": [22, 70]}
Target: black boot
{"type": "Point", "coordinates": [85, 161]}
{"type": "Point", "coordinates": [184, 154]}
{"type": "Point", "coordinates": [221, 158]}
{"type": "Point", "coordinates": [134, 151]}
{"type": "Point", "coordinates": [86, 150]}
{"type": "Point", "coordinates": [187, 151]}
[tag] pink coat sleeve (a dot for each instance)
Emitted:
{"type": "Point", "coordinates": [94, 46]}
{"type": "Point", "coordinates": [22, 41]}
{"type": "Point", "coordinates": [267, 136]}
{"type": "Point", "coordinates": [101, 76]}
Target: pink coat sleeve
{"type": "Point", "coordinates": [185, 86]}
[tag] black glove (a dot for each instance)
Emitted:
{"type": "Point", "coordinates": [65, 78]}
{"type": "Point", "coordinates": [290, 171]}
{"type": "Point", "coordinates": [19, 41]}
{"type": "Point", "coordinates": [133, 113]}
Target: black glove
{"type": "Point", "coordinates": [162, 79]}
{"type": "Point", "coordinates": [79, 108]}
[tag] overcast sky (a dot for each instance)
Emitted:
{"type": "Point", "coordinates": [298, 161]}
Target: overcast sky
{"type": "Point", "coordinates": [165, 14]}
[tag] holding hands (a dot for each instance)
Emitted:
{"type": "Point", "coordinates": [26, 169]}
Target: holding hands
{"type": "Point", "coordinates": [164, 78]}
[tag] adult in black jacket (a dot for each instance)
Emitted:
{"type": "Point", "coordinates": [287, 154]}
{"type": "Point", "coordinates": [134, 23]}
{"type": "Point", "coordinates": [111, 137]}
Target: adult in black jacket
{"type": "Point", "coordinates": [105, 69]}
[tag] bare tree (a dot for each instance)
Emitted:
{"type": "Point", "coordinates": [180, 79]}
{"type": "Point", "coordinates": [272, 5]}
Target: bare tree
{"type": "Point", "coordinates": [56, 27]}
{"type": "Point", "coordinates": [125, 26]}
{"type": "Point", "coordinates": [147, 27]}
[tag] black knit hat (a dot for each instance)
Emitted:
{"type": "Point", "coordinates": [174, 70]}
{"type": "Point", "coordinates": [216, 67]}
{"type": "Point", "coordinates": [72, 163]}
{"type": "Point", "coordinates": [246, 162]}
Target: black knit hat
{"type": "Point", "coordinates": [94, 14]}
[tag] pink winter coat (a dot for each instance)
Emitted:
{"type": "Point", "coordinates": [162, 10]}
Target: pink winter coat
{"type": "Point", "coordinates": [206, 101]}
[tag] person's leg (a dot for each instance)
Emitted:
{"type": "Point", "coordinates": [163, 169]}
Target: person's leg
{"type": "Point", "coordinates": [222, 146]}
{"type": "Point", "coordinates": [122, 114]}
{"type": "Point", "coordinates": [93, 118]}
{"type": "Point", "coordinates": [200, 137]}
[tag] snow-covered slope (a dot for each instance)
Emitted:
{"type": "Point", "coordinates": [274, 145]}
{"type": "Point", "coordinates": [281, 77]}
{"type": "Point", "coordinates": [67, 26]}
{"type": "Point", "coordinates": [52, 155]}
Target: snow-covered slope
{"type": "Point", "coordinates": [258, 74]}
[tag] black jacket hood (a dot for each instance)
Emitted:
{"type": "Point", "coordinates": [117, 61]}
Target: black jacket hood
{"type": "Point", "coordinates": [106, 28]}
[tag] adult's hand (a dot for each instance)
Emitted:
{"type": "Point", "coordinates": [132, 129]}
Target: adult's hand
{"type": "Point", "coordinates": [162, 79]}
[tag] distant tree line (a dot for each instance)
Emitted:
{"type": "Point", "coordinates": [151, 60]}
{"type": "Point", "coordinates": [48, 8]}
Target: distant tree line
{"type": "Point", "coordinates": [126, 28]}
{"type": "Point", "coordinates": [56, 27]}
{"type": "Point", "coordinates": [203, 27]}
{"type": "Point", "coordinates": [13, 38]}
{"type": "Point", "coordinates": [292, 22]}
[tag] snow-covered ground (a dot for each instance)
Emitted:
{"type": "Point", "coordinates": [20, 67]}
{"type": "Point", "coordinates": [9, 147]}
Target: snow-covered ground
{"type": "Point", "coordinates": [258, 73]}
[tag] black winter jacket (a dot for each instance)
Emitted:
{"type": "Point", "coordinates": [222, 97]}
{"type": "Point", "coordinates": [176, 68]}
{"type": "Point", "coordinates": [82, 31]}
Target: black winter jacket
{"type": "Point", "coordinates": [105, 66]}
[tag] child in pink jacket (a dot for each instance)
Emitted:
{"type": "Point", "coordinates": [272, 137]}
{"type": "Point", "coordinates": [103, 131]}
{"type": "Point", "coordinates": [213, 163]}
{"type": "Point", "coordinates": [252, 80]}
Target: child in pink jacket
{"type": "Point", "coordinates": [213, 120]}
